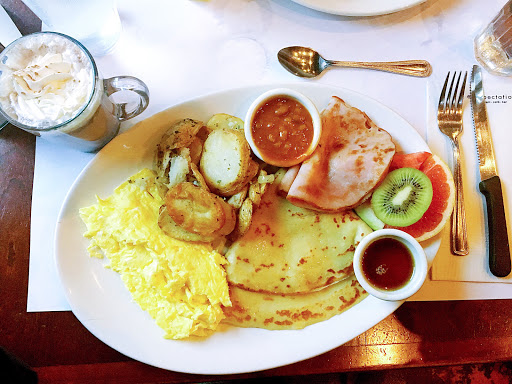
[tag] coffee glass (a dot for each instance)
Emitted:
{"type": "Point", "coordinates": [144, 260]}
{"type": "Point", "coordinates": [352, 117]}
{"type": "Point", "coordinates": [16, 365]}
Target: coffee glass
{"type": "Point", "coordinates": [50, 86]}
{"type": "Point", "coordinates": [493, 45]}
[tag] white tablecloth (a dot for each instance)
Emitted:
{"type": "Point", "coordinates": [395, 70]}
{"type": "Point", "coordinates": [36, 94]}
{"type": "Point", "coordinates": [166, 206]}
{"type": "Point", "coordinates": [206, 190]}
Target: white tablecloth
{"type": "Point", "coordinates": [185, 48]}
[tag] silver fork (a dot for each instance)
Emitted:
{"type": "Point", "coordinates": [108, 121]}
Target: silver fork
{"type": "Point", "coordinates": [449, 120]}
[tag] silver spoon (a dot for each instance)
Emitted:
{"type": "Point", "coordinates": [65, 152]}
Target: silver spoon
{"type": "Point", "coordinates": [306, 62]}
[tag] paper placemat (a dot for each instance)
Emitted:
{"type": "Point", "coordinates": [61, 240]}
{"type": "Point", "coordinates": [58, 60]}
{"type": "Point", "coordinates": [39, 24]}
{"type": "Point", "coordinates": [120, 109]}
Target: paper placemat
{"type": "Point", "coordinates": [45, 211]}
{"type": "Point", "coordinates": [498, 92]}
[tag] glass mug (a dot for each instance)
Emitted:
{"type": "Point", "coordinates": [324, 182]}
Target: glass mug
{"type": "Point", "coordinates": [50, 86]}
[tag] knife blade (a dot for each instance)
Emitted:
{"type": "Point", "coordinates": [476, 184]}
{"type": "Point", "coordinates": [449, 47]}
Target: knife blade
{"type": "Point", "coordinates": [490, 184]}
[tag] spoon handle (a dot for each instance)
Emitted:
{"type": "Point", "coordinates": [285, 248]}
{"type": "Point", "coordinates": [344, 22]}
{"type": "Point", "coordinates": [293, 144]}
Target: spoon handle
{"type": "Point", "coordinates": [419, 68]}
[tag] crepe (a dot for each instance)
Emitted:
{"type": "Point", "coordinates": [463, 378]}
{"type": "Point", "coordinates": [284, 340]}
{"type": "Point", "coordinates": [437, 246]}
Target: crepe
{"type": "Point", "coordinates": [279, 312]}
{"type": "Point", "coordinates": [290, 250]}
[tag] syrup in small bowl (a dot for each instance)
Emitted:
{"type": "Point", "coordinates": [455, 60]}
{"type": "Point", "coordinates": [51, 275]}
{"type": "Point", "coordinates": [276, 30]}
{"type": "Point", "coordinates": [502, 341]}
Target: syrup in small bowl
{"type": "Point", "coordinates": [390, 264]}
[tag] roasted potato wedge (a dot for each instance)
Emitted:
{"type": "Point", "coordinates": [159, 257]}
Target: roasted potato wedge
{"type": "Point", "coordinates": [182, 133]}
{"type": "Point", "coordinates": [245, 216]}
{"type": "Point", "coordinates": [198, 211]}
{"type": "Point", "coordinates": [167, 224]}
{"type": "Point", "coordinates": [264, 180]}
{"type": "Point", "coordinates": [255, 193]}
{"type": "Point", "coordinates": [223, 120]}
{"type": "Point", "coordinates": [244, 220]}
{"type": "Point", "coordinates": [263, 188]}
{"type": "Point", "coordinates": [238, 198]}
{"type": "Point", "coordinates": [162, 163]}
{"type": "Point", "coordinates": [179, 168]}
{"type": "Point", "coordinates": [196, 149]}
{"type": "Point", "coordinates": [196, 178]}
{"type": "Point", "coordinates": [226, 162]}
{"type": "Point", "coordinates": [203, 133]}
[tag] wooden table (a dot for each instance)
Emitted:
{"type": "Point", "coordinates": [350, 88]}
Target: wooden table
{"type": "Point", "coordinates": [60, 349]}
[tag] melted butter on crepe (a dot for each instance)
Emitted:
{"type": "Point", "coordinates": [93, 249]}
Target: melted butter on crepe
{"type": "Point", "coordinates": [292, 250]}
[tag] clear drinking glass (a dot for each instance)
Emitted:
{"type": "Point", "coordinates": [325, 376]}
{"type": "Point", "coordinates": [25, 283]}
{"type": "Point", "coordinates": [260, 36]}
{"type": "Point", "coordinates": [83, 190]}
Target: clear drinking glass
{"type": "Point", "coordinates": [50, 86]}
{"type": "Point", "coordinates": [493, 45]}
{"type": "Point", "coordinates": [95, 23]}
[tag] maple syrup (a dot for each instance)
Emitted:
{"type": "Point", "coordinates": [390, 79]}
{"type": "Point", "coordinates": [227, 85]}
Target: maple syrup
{"type": "Point", "coordinates": [387, 264]}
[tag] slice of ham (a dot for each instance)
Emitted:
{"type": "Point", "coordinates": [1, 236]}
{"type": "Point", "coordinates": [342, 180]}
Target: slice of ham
{"type": "Point", "coordinates": [287, 180]}
{"type": "Point", "coordinates": [352, 158]}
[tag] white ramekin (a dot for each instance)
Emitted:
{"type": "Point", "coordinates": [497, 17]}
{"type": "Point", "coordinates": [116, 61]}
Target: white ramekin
{"type": "Point", "coordinates": [305, 101]}
{"type": "Point", "coordinates": [419, 272]}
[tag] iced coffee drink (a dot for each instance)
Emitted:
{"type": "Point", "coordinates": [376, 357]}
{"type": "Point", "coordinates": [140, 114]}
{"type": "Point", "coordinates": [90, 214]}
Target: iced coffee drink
{"type": "Point", "coordinates": [49, 86]}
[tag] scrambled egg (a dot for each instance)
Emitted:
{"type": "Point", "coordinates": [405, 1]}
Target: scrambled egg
{"type": "Point", "coordinates": [181, 285]}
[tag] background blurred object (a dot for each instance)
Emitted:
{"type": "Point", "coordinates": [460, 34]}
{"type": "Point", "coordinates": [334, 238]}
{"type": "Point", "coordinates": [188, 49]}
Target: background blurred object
{"type": "Point", "coordinates": [493, 46]}
{"type": "Point", "coordinates": [95, 23]}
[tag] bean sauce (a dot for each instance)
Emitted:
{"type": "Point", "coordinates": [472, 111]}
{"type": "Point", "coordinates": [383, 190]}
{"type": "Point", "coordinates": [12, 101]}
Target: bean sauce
{"type": "Point", "coordinates": [282, 130]}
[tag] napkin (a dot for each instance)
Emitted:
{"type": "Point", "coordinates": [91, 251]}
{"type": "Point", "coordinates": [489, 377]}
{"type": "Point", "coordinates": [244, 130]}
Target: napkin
{"type": "Point", "coordinates": [498, 91]}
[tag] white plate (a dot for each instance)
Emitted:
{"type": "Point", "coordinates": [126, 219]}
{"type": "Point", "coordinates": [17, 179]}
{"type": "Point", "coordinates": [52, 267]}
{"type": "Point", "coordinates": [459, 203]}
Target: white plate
{"type": "Point", "coordinates": [359, 7]}
{"type": "Point", "coordinates": [100, 301]}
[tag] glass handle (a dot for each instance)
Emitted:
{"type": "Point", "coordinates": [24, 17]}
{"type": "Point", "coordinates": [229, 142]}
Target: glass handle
{"type": "Point", "coordinates": [129, 95]}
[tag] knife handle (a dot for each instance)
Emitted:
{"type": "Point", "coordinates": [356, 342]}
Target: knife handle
{"type": "Point", "coordinates": [499, 253]}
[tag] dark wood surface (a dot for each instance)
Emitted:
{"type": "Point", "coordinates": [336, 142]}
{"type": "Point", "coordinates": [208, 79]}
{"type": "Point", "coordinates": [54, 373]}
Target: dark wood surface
{"type": "Point", "coordinates": [61, 350]}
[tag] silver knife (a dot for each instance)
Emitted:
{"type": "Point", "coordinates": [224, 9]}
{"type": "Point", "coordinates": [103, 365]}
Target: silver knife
{"type": "Point", "coordinates": [490, 185]}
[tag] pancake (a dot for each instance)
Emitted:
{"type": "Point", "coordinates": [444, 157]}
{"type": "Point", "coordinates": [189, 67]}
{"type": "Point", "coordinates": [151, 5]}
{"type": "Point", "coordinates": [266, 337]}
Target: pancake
{"type": "Point", "coordinates": [289, 249]}
{"type": "Point", "coordinates": [279, 312]}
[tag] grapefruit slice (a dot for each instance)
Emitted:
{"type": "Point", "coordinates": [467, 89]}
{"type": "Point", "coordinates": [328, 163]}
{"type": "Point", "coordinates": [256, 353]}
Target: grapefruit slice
{"type": "Point", "coordinates": [443, 200]}
{"type": "Point", "coordinates": [408, 160]}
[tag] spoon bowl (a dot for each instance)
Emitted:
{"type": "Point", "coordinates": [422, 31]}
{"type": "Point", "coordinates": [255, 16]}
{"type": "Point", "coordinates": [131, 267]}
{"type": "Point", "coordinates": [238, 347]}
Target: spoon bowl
{"type": "Point", "coordinates": [306, 62]}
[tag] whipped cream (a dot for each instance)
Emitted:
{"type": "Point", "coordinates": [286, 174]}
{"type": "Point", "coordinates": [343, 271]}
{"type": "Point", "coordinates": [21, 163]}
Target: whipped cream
{"type": "Point", "coordinates": [45, 80]}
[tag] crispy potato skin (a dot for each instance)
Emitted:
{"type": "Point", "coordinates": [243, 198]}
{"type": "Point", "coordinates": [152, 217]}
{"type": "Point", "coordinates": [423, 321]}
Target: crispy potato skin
{"type": "Point", "coordinates": [167, 224]}
{"type": "Point", "coordinates": [244, 219]}
{"type": "Point", "coordinates": [199, 211]}
{"type": "Point", "coordinates": [223, 120]}
{"type": "Point", "coordinates": [181, 135]}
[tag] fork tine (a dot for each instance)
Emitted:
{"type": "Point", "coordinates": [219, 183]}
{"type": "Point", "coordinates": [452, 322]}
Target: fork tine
{"type": "Point", "coordinates": [454, 96]}
{"type": "Point", "coordinates": [462, 92]}
{"type": "Point", "coordinates": [450, 99]}
{"type": "Point", "coordinates": [443, 93]}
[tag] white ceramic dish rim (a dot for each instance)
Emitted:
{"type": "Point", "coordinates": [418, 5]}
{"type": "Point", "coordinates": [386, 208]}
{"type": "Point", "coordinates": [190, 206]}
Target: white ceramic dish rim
{"type": "Point", "coordinates": [103, 305]}
{"type": "Point", "coordinates": [301, 98]}
{"type": "Point", "coordinates": [359, 7]}
{"type": "Point", "coordinates": [420, 265]}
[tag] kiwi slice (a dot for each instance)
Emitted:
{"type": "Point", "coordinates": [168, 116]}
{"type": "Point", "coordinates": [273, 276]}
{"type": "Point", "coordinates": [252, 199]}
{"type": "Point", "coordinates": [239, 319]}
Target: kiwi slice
{"type": "Point", "coordinates": [403, 197]}
{"type": "Point", "coordinates": [366, 213]}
